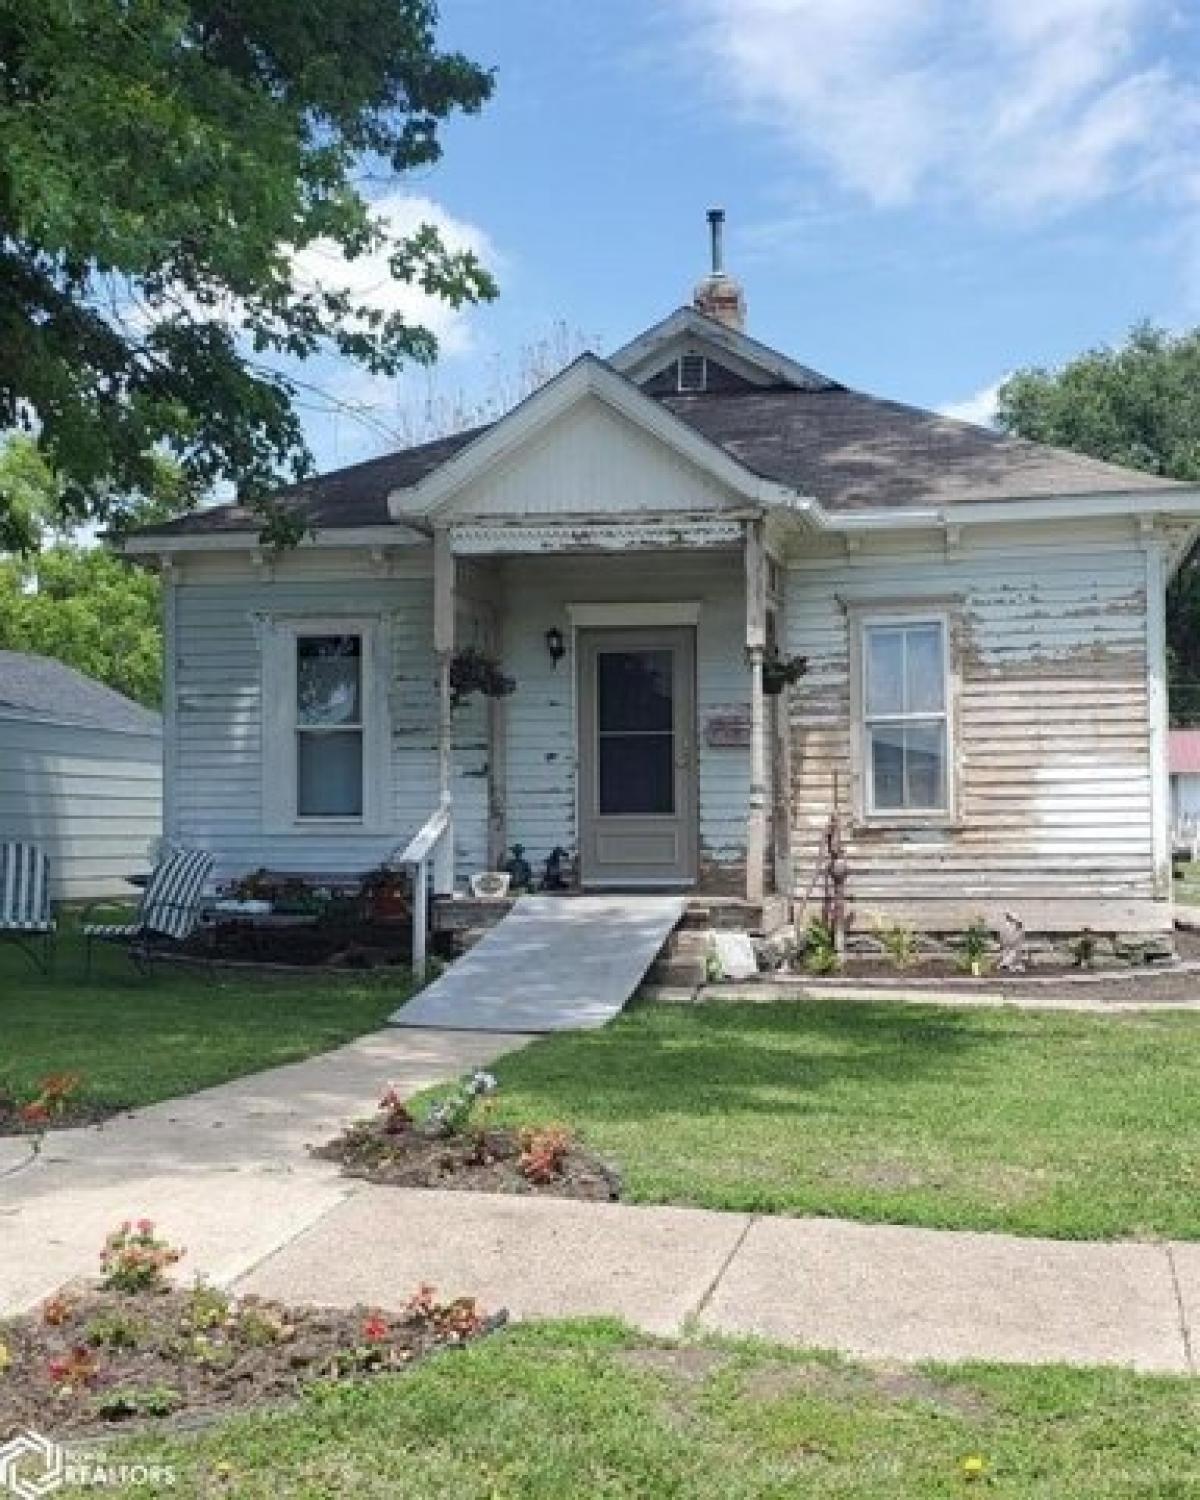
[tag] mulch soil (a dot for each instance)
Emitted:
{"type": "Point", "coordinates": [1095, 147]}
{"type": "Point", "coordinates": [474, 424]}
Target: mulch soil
{"type": "Point", "coordinates": [480, 1161]}
{"type": "Point", "coordinates": [94, 1362]}
{"type": "Point", "coordinates": [341, 945]}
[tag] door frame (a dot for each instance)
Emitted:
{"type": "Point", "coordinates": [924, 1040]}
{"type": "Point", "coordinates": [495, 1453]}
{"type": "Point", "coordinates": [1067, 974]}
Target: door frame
{"type": "Point", "coordinates": [666, 620]}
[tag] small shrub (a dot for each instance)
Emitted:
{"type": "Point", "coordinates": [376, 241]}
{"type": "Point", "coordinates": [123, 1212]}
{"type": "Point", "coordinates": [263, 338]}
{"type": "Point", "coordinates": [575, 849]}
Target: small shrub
{"type": "Point", "coordinates": [457, 1320]}
{"type": "Point", "coordinates": [820, 955]}
{"type": "Point", "coordinates": [262, 1326]}
{"type": "Point", "coordinates": [714, 969]}
{"type": "Point", "coordinates": [134, 1259]}
{"type": "Point", "coordinates": [57, 1309]}
{"type": "Point", "coordinates": [125, 1401]}
{"type": "Point", "coordinates": [206, 1350]}
{"type": "Point", "coordinates": [899, 943]}
{"type": "Point", "coordinates": [975, 941]}
{"type": "Point", "coordinates": [114, 1331]}
{"type": "Point", "coordinates": [207, 1307]}
{"type": "Point", "coordinates": [544, 1153]}
{"type": "Point", "coordinates": [375, 1328]}
{"type": "Point", "coordinates": [451, 1114]}
{"type": "Point", "coordinates": [1083, 949]}
{"type": "Point", "coordinates": [397, 1117]}
{"type": "Point", "coordinates": [72, 1371]}
{"type": "Point", "coordinates": [48, 1102]}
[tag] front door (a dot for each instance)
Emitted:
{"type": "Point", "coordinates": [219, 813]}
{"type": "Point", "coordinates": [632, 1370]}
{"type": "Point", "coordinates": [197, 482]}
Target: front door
{"type": "Point", "coordinates": [637, 756]}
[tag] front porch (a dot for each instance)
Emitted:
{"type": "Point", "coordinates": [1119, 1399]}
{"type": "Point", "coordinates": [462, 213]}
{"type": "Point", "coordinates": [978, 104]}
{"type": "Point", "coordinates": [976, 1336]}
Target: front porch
{"type": "Point", "coordinates": [639, 741]}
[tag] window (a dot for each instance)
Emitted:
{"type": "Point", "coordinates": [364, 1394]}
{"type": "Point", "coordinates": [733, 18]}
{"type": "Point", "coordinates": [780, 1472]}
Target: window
{"type": "Point", "coordinates": [905, 716]}
{"type": "Point", "coordinates": [329, 726]}
{"type": "Point", "coordinates": [326, 736]}
{"type": "Point", "coordinates": [693, 372]}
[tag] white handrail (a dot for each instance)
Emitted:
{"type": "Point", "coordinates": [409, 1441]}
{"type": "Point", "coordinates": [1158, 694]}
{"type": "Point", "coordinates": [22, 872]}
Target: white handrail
{"type": "Point", "coordinates": [416, 856]}
{"type": "Point", "coordinates": [424, 841]}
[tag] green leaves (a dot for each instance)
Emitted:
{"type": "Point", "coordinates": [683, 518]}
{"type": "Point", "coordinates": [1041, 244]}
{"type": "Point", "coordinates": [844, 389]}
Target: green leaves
{"type": "Point", "coordinates": [91, 610]}
{"type": "Point", "coordinates": [164, 164]}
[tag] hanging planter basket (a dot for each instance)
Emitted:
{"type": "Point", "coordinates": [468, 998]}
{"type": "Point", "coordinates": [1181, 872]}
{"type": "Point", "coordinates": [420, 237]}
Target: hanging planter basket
{"type": "Point", "coordinates": [780, 672]}
{"type": "Point", "coordinates": [473, 671]}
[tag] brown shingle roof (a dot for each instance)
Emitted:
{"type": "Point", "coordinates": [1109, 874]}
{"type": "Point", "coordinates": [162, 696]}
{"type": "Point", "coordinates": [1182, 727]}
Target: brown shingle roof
{"type": "Point", "coordinates": [854, 452]}
{"type": "Point", "coordinates": [343, 498]}
{"type": "Point", "coordinates": [849, 451]}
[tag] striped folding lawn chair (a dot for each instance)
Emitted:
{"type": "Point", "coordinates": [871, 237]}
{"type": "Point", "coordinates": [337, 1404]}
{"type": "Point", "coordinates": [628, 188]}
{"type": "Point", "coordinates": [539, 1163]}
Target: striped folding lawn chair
{"type": "Point", "coordinates": [169, 911]}
{"type": "Point", "coordinates": [25, 913]}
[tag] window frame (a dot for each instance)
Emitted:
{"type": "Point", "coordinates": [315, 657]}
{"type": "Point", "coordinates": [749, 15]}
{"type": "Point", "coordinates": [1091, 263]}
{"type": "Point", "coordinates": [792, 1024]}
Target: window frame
{"type": "Point", "coordinates": [281, 728]}
{"type": "Point", "coordinates": [863, 619]}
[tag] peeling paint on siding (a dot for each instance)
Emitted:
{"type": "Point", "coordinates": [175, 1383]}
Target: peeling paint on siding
{"type": "Point", "coordinates": [1052, 731]}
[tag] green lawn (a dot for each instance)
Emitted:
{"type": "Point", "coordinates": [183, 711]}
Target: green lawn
{"type": "Point", "coordinates": [561, 1411]}
{"type": "Point", "coordinates": [137, 1040]}
{"type": "Point", "coordinates": [1068, 1125]}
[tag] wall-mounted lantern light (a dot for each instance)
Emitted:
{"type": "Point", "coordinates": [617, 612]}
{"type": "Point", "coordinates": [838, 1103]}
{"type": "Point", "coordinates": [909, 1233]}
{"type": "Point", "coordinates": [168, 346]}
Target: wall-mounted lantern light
{"type": "Point", "coordinates": [555, 645]}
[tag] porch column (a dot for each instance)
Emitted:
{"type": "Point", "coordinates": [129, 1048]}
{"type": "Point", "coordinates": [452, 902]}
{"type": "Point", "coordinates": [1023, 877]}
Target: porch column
{"type": "Point", "coordinates": [497, 753]}
{"type": "Point", "coordinates": [756, 644]}
{"type": "Point", "coordinates": [443, 646]}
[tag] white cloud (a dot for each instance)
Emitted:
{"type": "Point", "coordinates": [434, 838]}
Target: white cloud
{"type": "Point", "coordinates": [370, 282]}
{"type": "Point", "coordinates": [980, 408]}
{"type": "Point", "coordinates": [1024, 107]}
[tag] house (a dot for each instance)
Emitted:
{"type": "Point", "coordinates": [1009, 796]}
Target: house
{"type": "Point", "coordinates": [640, 545]}
{"type": "Point", "coordinates": [1183, 765]}
{"type": "Point", "coordinates": [80, 775]}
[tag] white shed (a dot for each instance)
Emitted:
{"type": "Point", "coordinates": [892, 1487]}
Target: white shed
{"type": "Point", "coordinates": [80, 774]}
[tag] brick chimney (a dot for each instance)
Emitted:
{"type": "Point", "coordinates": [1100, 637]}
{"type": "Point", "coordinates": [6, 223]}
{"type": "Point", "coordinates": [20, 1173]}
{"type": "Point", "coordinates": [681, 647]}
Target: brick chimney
{"type": "Point", "coordinates": [720, 296]}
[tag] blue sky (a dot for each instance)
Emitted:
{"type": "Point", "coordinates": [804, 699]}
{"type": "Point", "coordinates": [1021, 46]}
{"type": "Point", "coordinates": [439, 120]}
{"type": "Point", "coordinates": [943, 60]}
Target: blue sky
{"type": "Point", "coordinates": [922, 194]}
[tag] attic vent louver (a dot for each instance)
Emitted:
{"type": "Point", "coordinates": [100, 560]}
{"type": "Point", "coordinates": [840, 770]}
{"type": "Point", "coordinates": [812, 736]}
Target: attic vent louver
{"type": "Point", "coordinates": [693, 372]}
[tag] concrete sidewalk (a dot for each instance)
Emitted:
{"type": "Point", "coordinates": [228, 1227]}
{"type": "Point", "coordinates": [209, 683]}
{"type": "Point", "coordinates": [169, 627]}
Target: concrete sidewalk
{"type": "Point", "coordinates": [877, 1291]}
{"type": "Point", "coordinates": [224, 1172]}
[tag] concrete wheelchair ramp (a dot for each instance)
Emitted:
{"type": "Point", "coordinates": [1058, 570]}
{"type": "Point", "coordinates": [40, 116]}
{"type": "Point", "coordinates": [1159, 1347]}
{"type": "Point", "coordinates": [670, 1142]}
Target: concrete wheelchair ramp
{"type": "Point", "coordinates": [554, 963]}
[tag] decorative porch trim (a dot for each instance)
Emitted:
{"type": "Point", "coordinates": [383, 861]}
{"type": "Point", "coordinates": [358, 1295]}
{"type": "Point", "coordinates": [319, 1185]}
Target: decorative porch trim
{"type": "Point", "coordinates": [621, 536]}
{"type": "Point", "coordinates": [608, 616]}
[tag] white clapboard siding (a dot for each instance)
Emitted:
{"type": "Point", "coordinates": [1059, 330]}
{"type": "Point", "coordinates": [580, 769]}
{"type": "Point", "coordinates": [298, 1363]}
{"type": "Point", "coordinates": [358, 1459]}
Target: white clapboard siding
{"type": "Point", "coordinates": [1054, 772]}
{"type": "Point", "coordinates": [216, 798]}
{"type": "Point", "coordinates": [541, 780]}
{"type": "Point", "coordinates": [91, 798]}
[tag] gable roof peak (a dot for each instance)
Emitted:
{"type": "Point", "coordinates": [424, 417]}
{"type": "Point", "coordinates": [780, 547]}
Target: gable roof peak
{"type": "Point", "coordinates": [662, 343]}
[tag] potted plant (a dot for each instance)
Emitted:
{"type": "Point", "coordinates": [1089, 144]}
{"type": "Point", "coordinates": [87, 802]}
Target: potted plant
{"type": "Point", "coordinates": [387, 895]}
{"type": "Point", "coordinates": [779, 672]}
{"type": "Point", "coordinates": [474, 671]}
{"type": "Point", "coordinates": [296, 898]}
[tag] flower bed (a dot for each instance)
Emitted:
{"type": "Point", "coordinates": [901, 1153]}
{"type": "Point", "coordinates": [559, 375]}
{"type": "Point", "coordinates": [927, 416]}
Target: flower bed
{"type": "Point", "coordinates": [55, 1103]}
{"type": "Point", "coordinates": [446, 1148]}
{"type": "Point", "coordinates": [486, 1161]}
{"type": "Point", "coordinates": [323, 943]}
{"type": "Point", "coordinates": [94, 1358]}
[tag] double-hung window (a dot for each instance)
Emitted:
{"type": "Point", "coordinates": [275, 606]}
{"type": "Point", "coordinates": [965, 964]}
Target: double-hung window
{"type": "Point", "coordinates": [325, 724]}
{"type": "Point", "coordinates": [329, 725]}
{"type": "Point", "coordinates": [905, 716]}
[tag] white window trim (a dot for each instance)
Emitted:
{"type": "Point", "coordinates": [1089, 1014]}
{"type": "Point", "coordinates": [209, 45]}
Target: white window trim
{"type": "Point", "coordinates": [860, 619]}
{"type": "Point", "coordinates": [279, 753]}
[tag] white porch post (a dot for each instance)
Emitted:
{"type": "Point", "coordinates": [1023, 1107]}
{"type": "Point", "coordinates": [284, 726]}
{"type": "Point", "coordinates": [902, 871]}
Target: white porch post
{"type": "Point", "coordinates": [756, 642]}
{"type": "Point", "coordinates": [1157, 707]}
{"type": "Point", "coordinates": [443, 645]}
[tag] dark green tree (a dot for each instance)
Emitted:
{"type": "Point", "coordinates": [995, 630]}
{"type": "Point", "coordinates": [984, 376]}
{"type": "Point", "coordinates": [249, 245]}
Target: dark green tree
{"type": "Point", "coordinates": [86, 607]}
{"type": "Point", "coordinates": [79, 603]}
{"type": "Point", "coordinates": [1137, 404]}
{"type": "Point", "coordinates": [162, 163]}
